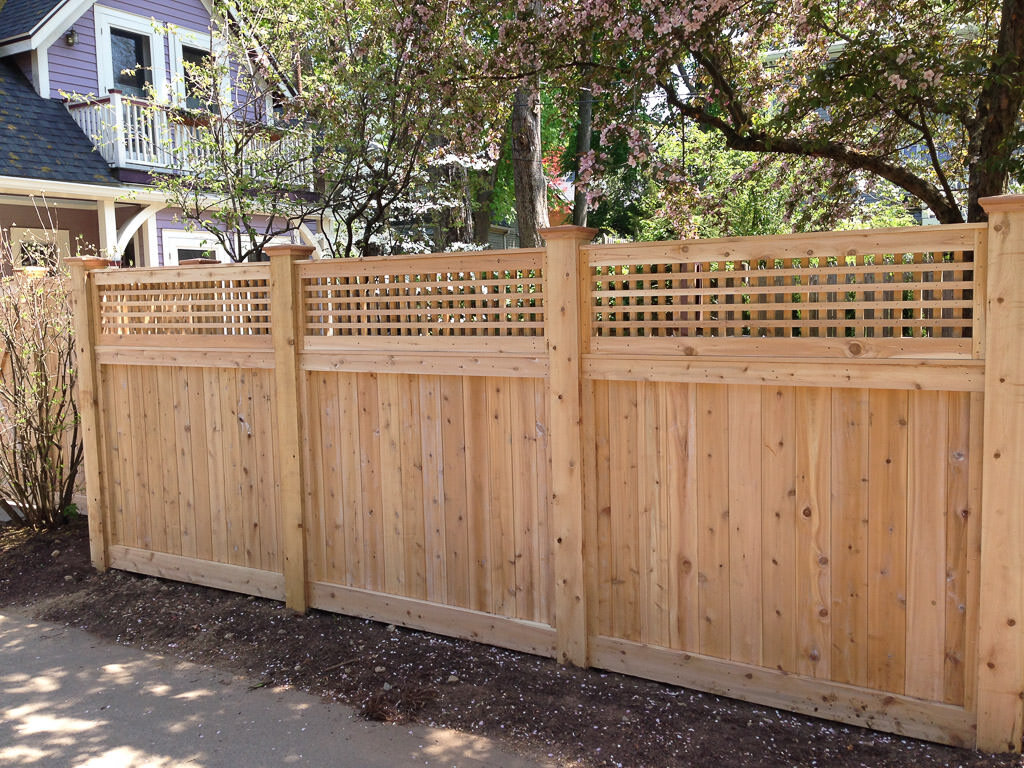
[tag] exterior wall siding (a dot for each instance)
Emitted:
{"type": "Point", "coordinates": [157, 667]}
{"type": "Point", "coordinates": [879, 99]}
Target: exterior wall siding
{"type": "Point", "coordinates": [73, 68]}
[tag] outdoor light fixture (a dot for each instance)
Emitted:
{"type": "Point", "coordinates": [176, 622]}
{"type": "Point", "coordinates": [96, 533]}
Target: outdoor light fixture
{"type": "Point", "coordinates": [71, 36]}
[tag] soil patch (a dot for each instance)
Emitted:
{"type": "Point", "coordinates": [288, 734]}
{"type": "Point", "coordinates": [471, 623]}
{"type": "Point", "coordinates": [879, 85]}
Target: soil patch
{"type": "Point", "coordinates": [566, 716]}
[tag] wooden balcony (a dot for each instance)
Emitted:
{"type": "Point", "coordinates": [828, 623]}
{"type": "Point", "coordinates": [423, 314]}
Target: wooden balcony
{"type": "Point", "coordinates": [136, 134]}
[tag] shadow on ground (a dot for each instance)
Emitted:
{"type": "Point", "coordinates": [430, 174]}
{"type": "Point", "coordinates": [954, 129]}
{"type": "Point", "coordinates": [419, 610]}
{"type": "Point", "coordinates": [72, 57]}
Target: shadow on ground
{"type": "Point", "coordinates": [69, 699]}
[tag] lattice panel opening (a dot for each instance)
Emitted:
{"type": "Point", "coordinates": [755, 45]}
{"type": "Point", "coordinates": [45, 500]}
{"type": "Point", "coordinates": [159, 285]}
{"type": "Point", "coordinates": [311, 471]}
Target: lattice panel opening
{"type": "Point", "coordinates": [901, 295]}
{"type": "Point", "coordinates": [202, 307]}
{"type": "Point", "coordinates": [375, 300]}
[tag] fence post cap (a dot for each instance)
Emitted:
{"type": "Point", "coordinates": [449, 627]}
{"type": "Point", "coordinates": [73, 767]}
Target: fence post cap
{"type": "Point", "coordinates": [568, 232]}
{"type": "Point", "coordinates": [289, 250]}
{"type": "Point", "coordinates": [87, 262]}
{"type": "Point", "coordinates": [1000, 203]}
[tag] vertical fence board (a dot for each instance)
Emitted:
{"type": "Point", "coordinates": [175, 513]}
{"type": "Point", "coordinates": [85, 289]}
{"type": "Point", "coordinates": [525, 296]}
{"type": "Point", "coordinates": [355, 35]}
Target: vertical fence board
{"type": "Point", "coordinates": [957, 514]}
{"type": "Point", "coordinates": [478, 495]}
{"type": "Point", "coordinates": [353, 507]}
{"type": "Point", "coordinates": [164, 408]}
{"type": "Point", "coordinates": [623, 427]}
{"type": "Point", "coordinates": [136, 408]}
{"type": "Point", "coordinates": [370, 480]}
{"type": "Point", "coordinates": [249, 499]}
{"type": "Point", "coordinates": [198, 446]}
{"type": "Point", "coordinates": [266, 499]}
{"type": "Point", "coordinates": [500, 488]}
{"type": "Point", "coordinates": [603, 499]}
{"type": "Point", "coordinates": [524, 479]}
{"type": "Point", "coordinates": [713, 472]}
{"type": "Point", "coordinates": [849, 511]}
{"type": "Point", "coordinates": [215, 452]}
{"type": "Point", "coordinates": [319, 454]}
{"type": "Point", "coordinates": [545, 565]}
{"type": "Point", "coordinates": [887, 537]}
{"type": "Point", "coordinates": [456, 484]}
{"type": "Point", "coordinates": [813, 534]}
{"type": "Point", "coordinates": [678, 408]}
{"type": "Point", "coordinates": [746, 597]}
{"type": "Point", "coordinates": [183, 461]}
{"type": "Point", "coordinates": [331, 435]}
{"type": "Point", "coordinates": [228, 388]}
{"type": "Point", "coordinates": [391, 476]}
{"type": "Point", "coordinates": [124, 494]}
{"type": "Point", "coordinates": [411, 453]}
{"type": "Point", "coordinates": [652, 538]}
{"type": "Point", "coordinates": [431, 448]}
{"type": "Point", "coordinates": [926, 529]}
{"type": "Point", "coordinates": [779, 523]}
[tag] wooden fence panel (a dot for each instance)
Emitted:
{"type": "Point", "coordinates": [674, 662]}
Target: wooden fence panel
{"type": "Point", "coordinates": [751, 466]}
{"type": "Point", "coordinates": [167, 416]}
{"type": "Point", "coordinates": [812, 523]}
{"type": "Point", "coordinates": [433, 443]}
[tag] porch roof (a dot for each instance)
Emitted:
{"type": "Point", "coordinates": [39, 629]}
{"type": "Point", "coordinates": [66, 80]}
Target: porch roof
{"type": "Point", "coordinates": [40, 140]}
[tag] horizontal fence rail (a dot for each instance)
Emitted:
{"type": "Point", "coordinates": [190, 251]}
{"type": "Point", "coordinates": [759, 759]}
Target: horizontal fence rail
{"type": "Point", "coordinates": [784, 469]}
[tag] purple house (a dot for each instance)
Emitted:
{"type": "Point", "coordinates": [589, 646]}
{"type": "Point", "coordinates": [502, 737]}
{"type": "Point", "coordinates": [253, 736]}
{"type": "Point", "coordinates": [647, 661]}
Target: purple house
{"type": "Point", "coordinates": [76, 173]}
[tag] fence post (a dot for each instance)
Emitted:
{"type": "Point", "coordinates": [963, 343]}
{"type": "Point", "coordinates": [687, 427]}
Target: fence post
{"type": "Point", "coordinates": [85, 327]}
{"type": "Point", "coordinates": [285, 323]}
{"type": "Point", "coordinates": [567, 328]}
{"type": "Point", "coordinates": [1000, 679]}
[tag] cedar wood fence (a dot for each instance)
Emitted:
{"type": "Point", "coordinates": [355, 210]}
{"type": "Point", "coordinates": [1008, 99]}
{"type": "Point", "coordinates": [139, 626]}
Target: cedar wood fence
{"type": "Point", "coordinates": [786, 469]}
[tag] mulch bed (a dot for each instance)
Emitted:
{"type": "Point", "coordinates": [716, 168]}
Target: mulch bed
{"type": "Point", "coordinates": [558, 715]}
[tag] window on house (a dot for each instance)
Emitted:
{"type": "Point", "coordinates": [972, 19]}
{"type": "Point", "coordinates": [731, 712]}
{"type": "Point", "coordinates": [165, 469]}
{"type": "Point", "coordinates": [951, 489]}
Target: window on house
{"type": "Point", "coordinates": [184, 254]}
{"type": "Point", "coordinates": [197, 86]}
{"type": "Point", "coordinates": [130, 61]}
{"type": "Point", "coordinates": [39, 247]}
{"type": "Point", "coordinates": [40, 255]}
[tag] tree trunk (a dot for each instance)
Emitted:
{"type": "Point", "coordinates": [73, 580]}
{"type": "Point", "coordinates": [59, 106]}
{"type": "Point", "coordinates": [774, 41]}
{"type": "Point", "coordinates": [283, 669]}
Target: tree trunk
{"type": "Point", "coordinates": [527, 171]}
{"type": "Point", "coordinates": [998, 108]}
{"type": "Point", "coordinates": [583, 136]}
{"type": "Point", "coordinates": [481, 194]}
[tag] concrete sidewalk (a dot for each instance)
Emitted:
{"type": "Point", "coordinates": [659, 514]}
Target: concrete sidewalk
{"type": "Point", "coordinates": [69, 699]}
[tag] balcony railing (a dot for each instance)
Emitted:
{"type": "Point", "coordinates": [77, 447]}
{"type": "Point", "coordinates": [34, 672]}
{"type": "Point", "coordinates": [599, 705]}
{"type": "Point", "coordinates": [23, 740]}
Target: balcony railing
{"type": "Point", "coordinates": [132, 133]}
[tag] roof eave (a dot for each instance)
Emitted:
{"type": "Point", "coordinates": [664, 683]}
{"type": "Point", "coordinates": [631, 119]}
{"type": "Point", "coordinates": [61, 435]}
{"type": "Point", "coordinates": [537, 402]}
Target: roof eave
{"type": "Point", "coordinates": [22, 185]}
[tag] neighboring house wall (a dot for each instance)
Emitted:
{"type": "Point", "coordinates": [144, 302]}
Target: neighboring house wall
{"type": "Point", "coordinates": [73, 69]}
{"type": "Point", "coordinates": [80, 221]}
{"type": "Point", "coordinates": [172, 235]}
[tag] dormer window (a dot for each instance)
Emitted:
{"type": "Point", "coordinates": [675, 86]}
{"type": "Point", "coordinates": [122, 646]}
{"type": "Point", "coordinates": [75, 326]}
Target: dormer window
{"type": "Point", "coordinates": [130, 54]}
{"type": "Point", "coordinates": [131, 63]}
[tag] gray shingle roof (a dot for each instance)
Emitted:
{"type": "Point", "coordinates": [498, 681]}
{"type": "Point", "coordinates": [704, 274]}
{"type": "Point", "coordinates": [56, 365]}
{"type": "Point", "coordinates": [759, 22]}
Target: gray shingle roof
{"type": "Point", "coordinates": [40, 140]}
{"type": "Point", "coordinates": [19, 17]}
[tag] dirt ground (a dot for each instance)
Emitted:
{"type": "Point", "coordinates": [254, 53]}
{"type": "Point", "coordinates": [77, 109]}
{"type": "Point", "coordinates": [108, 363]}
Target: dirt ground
{"type": "Point", "coordinates": [566, 716]}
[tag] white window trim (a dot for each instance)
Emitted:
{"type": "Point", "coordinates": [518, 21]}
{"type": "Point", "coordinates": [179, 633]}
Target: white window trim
{"type": "Point", "coordinates": [105, 18]}
{"type": "Point", "coordinates": [176, 239]}
{"type": "Point", "coordinates": [19, 235]}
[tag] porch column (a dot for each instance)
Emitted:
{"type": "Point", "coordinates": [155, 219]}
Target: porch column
{"type": "Point", "coordinates": [108, 229]}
